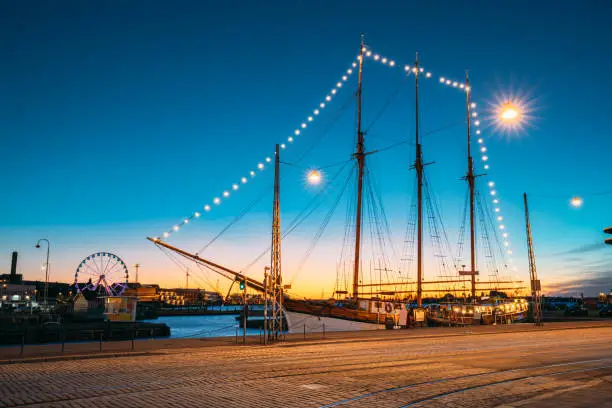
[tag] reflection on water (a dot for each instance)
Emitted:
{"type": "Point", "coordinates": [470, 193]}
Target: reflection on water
{"type": "Point", "coordinates": [202, 326]}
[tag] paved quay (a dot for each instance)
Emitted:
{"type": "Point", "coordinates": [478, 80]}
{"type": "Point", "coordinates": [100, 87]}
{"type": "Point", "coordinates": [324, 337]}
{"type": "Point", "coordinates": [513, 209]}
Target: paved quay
{"type": "Point", "coordinates": [562, 364]}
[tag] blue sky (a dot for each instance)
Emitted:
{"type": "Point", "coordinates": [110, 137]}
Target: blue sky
{"type": "Point", "coordinates": [119, 119]}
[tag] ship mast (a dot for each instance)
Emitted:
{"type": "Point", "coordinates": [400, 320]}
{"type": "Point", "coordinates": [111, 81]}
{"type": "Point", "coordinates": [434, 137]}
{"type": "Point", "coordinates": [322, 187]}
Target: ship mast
{"type": "Point", "coordinates": [418, 166]}
{"type": "Point", "coordinates": [276, 280]}
{"type": "Point", "coordinates": [360, 157]}
{"type": "Point", "coordinates": [471, 178]}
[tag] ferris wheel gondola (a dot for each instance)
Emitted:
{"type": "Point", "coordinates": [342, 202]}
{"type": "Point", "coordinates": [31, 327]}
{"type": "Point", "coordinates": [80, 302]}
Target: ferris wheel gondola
{"type": "Point", "coordinates": [105, 273]}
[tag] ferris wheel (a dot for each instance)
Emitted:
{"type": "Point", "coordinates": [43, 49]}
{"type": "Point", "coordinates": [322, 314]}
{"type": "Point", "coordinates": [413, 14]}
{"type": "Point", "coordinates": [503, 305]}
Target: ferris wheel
{"type": "Point", "coordinates": [103, 272]}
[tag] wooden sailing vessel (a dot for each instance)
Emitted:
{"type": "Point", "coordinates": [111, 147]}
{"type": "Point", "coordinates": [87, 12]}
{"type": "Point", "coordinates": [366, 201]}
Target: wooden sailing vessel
{"type": "Point", "coordinates": [358, 311]}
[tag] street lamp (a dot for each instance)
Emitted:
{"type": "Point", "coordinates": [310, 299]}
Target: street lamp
{"type": "Point", "coordinates": [46, 267]}
{"type": "Point", "coordinates": [314, 177]}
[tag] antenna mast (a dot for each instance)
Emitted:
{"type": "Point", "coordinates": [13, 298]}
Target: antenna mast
{"type": "Point", "coordinates": [360, 156]}
{"type": "Point", "coordinates": [275, 277]}
{"type": "Point", "coordinates": [533, 274]}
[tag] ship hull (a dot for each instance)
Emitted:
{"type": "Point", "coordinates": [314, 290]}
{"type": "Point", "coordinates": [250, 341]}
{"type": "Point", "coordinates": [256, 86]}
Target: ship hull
{"type": "Point", "coordinates": [300, 322]}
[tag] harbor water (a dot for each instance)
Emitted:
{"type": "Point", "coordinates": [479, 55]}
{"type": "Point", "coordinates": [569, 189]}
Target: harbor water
{"type": "Point", "coordinates": [201, 326]}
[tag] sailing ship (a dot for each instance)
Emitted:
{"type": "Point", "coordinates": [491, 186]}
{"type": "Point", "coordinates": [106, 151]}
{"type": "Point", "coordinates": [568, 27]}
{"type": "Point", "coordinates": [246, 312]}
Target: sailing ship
{"type": "Point", "coordinates": [359, 310]}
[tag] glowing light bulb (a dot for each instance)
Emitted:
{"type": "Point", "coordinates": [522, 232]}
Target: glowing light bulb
{"type": "Point", "coordinates": [303, 126]}
{"type": "Point", "coordinates": [510, 253]}
{"type": "Point", "coordinates": [455, 84]}
{"type": "Point", "coordinates": [480, 140]}
{"type": "Point", "coordinates": [310, 118]}
{"type": "Point", "coordinates": [448, 82]}
{"type": "Point", "coordinates": [485, 158]}
{"type": "Point", "coordinates": [186, 221]}
{"type": "Point", "coordinates": [477, 123]}
{"type": "Point", "coordinates": [354, 64]}
{"type": "Point", "coordinates": [461, 86]}
{"type": "Point", "coordinates": [321, 105]}
{"type": "Point", "coordinates": [500, 218]}
{"type": "Point", "coordinates": [260, 166]}
{"type": "Point", "coordinates": [226, 194]}
{"type": "Point", "coordinates": [491, 184]}
{"type": "Point", "coordinates": [376, 57]}
{"type": "Point", "coordinates": [406, 67]}
{"type": "Point", "coordinates": [473, 104]}
{"type": "Point", "coordinates": [486, 167]}
{"type": "Point", "coordinates": [501, 227]}
{"type": "Point", "coordinates": [243, 180]}
{"type": "Point", "coordinates": [506, 244]}
{"type": "Point", "coordinates": [496, 201]}
{"type": "Point", "coordinates": [166, 234]}
{"type": "Point", "coordinates": [497, 210]}
{"type": "Point", "coordinates": [428, 75]}
{"type": "Point", "coordinates": [391, 63]}
{"type": "Point", "coordinates": [252, 173]}
{"type": "Point", "coordinates": [349, 71]}
{"type": "Point", "coordinates": [576, 202]}
{"type": "Point", "coordinates": [493, 192]}
{"type": "Point", "coordinates": [268, 159]}
{"type": "Point", "coordinates": [207, 207]}
{"type": "Point", "coordinates": [442, 79]}
{"type": "Point", "coordinates": [478, 131]}
{"type": "Point", "coordinates": [421, 69]}
{"type": "Point", "coordinates": [505, 234]}
{"type": "Point", "coordinates": [314, 177]}
{"type": "Point", "coordinates": [217, 200]}
{"type": "Point", "coordinates": [384, 60]}
{"type": "Point", "coordinates": [235, 186]}
{"type": "Point", "coordinates": [176, 228]}
{"type": "Point", "coordinates": [316, 112]}
{"type": "Point", "coordinates": [283, 145]}
{"type": "Point", "coordinates": [339, 85]}
{"type": "Point", "coordinates": [369, 54]}
{"type": "Point", "coordinates": [483, 149]}
{"type": "Point", "coordinates": [197, 215]}
{"type": "Point", "coordinates": [474, 114]}
{"type": "Point", "coordinates": [328, 98]}
{"type": "Point", "coordinates": [509, 113]}
{"type": "Point", "coordinates": [297, 132]}
{"type": "Point", "coordinates": [333, 91]}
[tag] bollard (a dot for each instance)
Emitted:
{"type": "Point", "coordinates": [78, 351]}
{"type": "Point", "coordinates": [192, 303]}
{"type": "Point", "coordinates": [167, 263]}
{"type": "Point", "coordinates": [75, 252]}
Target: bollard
{"type": "Point", "coordinates": [132, 340]}
{"type": "Point", "coordinates": [304, 331]}
{"type": "Point", "coordinates": [323, 330]}
{"type": "Point", "coordinates": [100, 341]}
{"type": "Point", "coordinates": [260, 335]}
{"type": "Point", "coordinates": [22, 345]}
{"type": "Point", "coordinates": [236, 334]}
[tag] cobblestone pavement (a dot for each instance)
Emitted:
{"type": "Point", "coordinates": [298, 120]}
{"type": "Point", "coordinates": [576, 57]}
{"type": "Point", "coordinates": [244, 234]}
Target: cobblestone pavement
{"type": "Point", "coordinates": [561, 368]}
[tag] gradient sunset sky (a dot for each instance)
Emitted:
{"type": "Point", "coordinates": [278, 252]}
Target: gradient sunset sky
{"type": "Point", "coordinates": [120, 119]}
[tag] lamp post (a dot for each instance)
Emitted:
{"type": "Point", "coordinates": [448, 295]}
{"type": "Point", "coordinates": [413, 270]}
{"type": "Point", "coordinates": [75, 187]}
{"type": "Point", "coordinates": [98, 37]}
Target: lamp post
{"type": "Point", "coordinates": [46, 267]}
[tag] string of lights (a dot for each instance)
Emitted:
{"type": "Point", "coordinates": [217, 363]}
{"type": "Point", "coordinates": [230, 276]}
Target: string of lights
{"type": "Point", "coordinates": [261, 166]}
{"type": "Point", "coordinates": [368, 53]}
{"type": "Point", "coordinates": [484, 155]}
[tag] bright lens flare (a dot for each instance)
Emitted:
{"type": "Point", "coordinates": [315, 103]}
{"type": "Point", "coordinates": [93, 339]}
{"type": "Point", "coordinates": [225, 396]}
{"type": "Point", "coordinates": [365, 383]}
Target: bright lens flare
{"type": "Point", "coordinates": [314, 177]}
{"type": "Point", "coordinates": [510, 113]}
{"type": "Point", "coordinates": [576, 202]}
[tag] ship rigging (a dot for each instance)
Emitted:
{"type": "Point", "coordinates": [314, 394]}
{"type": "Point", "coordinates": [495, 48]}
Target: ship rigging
{"type": "Point", "coordinates": [364, 304]}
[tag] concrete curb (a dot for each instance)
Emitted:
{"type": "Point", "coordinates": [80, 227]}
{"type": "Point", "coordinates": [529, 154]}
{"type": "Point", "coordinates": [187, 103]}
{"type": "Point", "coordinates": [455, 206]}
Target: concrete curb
{"type": "Point", "coordinates": [50, 359]}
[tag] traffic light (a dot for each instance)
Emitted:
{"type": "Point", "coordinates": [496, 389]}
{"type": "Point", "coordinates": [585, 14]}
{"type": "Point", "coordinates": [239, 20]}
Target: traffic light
{"type": "Point", "coordinates": [608, 231]}
{"type": "Point", "coordinates": [241, 285]}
